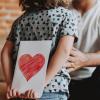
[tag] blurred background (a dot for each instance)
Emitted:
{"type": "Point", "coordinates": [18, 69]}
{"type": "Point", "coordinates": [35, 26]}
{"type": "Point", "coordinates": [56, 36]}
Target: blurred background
{"type": "Point", "coordinates": [9, 11]}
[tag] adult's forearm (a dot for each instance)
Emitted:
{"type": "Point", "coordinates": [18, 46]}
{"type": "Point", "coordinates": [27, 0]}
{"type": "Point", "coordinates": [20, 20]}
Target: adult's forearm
{"type": "Point", "coordinates": [93, 59]}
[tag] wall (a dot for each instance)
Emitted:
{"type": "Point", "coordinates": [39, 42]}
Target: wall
{"type": "Point", "coordinates": [9, 11]}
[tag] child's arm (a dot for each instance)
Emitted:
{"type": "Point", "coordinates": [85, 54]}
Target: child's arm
{"type": "Point", "coordinates": [6, 61]}
{"type": "Point", "coordinates": [59, 58]}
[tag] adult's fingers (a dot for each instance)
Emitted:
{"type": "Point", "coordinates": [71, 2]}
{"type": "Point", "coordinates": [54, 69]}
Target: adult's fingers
{"type": "Point", "coordinates": [72, 59]}
{"type": "Point", "coordinates": [68, 65]}
{"type": "Point", "coordinates": [75, 49]}
{"type": "Point", "coordinates": [73, 53]}
{"type": "Point", "coordinates": [70, 70]}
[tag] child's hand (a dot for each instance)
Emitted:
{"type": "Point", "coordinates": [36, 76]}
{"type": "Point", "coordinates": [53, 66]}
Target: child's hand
{"type": "Point", "coordinates": [11, 93]}
{"type": "Point", "coordinates": [28, 95]}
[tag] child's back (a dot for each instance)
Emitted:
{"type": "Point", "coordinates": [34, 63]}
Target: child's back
{"type": "Point", "coordinates": [47, 25]}
{"type": "Point", "coordinates": [57, 24]}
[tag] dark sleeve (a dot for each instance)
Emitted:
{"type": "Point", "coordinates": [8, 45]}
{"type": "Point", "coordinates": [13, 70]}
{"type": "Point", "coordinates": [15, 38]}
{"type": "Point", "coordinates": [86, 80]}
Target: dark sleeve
{"type": "Point", "coordinates": [70, 25]}
{"type": "Point", "coordinates": [14, 35]}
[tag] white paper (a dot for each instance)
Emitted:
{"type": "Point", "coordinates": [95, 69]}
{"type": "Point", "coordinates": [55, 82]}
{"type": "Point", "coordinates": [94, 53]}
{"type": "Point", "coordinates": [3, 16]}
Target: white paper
{"type": "Point", "coordinates": [20, 83]}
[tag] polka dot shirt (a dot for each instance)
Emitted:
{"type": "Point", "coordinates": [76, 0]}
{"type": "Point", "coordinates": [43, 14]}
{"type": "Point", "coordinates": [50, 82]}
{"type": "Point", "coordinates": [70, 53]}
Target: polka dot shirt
{"type": "Point", "coordinates": [41, 25]}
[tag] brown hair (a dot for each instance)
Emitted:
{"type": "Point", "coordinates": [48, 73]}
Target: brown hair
{"type": "Point", "coordinates": [42, 4]}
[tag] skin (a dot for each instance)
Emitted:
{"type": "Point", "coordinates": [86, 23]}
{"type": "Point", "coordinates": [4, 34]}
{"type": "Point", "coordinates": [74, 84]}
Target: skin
{"type": "Point", "coordinates": [59, 58]}
{"type": "Point", "coordinates": [6, 60]}
{"type": "Point", "coordinates": [77, 58]}
{"type": "Point", "coordinates": [83, 5]}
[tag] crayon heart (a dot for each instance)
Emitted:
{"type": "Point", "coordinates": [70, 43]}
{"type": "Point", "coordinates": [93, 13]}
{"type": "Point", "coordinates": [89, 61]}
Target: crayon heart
{"type": "Point", "coordinates": [30, 66]}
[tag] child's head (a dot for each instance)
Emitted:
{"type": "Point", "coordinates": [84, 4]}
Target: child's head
{"type": "Point", "coordinates": [43, 4]}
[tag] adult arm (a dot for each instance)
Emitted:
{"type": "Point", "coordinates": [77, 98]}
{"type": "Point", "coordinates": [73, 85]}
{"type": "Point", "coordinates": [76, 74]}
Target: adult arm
{"type": "Point", "coordinates": [79, 59]}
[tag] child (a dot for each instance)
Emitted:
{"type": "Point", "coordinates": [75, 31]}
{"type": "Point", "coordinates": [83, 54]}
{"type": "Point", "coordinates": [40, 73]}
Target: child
{"type": "Point", "coordinates": [43, 20]}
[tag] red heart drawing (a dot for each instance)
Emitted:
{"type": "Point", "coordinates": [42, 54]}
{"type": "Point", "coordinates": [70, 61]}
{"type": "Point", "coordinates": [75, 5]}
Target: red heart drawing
{"type": "Point", "coordinates": [30, 66]}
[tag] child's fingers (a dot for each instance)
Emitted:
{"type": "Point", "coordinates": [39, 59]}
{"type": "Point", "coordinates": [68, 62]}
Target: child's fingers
{"type": "Point", "coordinates": [24, 95]}
{"type": "Point", "coordinates": [29, 93]}
{"type": "Point", "coordinates": [17, 94]}
{"type": "Point", "coordinates": [36, 95]}
{"type": "Point", "coordinates": [14, 93]}
{"type": "Point", "coordinates": [32, 94]}
{"type": "Point", "coordinates": [11, 94]}
{"type": "Point", "coordinates": [7, 96]}
{"type": "Point", "coordinates": [7, 93]}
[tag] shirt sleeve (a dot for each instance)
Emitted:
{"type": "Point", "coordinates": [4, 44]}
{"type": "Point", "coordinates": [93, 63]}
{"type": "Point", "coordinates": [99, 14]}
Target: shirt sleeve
{"type": "Point", "coordinates": [70, 25]}
{"type": "Point", "coordinates": [14, 33]}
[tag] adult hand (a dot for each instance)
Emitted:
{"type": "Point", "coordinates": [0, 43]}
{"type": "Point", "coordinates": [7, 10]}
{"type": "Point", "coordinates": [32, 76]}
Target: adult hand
{"type": "Point", "coordinates": [76, 60]}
